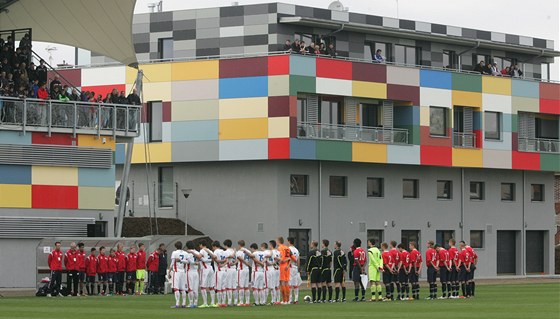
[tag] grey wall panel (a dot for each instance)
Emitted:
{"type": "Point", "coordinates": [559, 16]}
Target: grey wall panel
{"type": "Point", "coordinates": [208, 13]}
{"type": "Point", "coordinates": [207, 23]}
{"type": "Point", "coordinates": [231, 21]}
{"type": "Point", "coordinates": [184, 24]}
{"type": "Point", "coordinates": [256, 9]}
{"type": "Point", "coordinates": [256, 19]}
{"type": "Point", "coordinates": [208, 33]}
{"type": "Point", "coordinates": [207, 43]}
{"type": "Point", "coordinates": [195, 151]}
{"type": "Point", "coordinates": [161, 26]}
{"type": "Point", "coordinates": [232, 11]}
{"type": "Point", "coordinates": [232, 42]}
{"type": "Point", "coordinates": [164, 16]}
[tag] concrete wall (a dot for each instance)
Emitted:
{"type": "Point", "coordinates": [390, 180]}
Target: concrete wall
{"type": "Point", "coordinates": [19, 268]}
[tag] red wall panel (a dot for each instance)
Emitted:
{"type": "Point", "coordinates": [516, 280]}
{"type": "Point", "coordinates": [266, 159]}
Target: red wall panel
{"type": "Point", "coordinates": [235, 68]}
{"type": "Point", "coordinates": [54, 139]}
{"type": "Point", "coordinates": [426, 139]}
{"type": "Point", "coordinates": [72, 77]}
{"type": "Point", "coordinates": [166, 110]}
{"type": "Point", "coordinates": [550, 106]}
{"type": "Point", "coordinates": [404, 93]}
{"type": "Point", "coordinates": [369, 72]}
{"type": "Point", "coordinates": [279, 65]}
{"type": "Point", "coordinates": [549, 91]}
{"type": "Point", "coordinates": [62, 197]}
{"type": "Point", "coordinates": [334, 69]}
{"type": "Point", "coordinates": [436, 155]}
{"type": "Point", "coordinates": [279, 148]}
{"type": "Point", "coordinates": [104, 89]}
{"type": "Point", "coordinates": [526, 161]}
{"type": "Point", "coordinates": [278, 106]}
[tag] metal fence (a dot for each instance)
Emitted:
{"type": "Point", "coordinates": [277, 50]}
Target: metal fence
{"type": "Point", "coordinates": [464, 140]}
{"type": "Point", "coordinates": [538, 145]}
{"type": "Point", "coordinates": [57, 116]}
{"type": "Point", "coordinates": [354, 133]}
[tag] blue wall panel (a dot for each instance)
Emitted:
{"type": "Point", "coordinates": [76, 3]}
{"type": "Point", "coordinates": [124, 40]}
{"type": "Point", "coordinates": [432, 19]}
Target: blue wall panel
{"type": "Point", "coordinates": [15, 174]}
{"type": "Point", "coordinates": [303, 149]}
{"type": "Point", "coordinates": [435, 79]}
{"type": "Point", "coordinates": [256, 86]}
{"type": "Point", "coordinates": [194, 131]}
{"type": "Point", "coordinates": [96, 177]}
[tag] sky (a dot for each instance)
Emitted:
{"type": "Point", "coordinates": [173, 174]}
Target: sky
{"type": "Point", "coordinates": [539, 18]}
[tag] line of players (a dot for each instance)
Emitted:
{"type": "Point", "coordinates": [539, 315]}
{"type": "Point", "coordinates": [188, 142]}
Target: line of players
{"type": "Point", "coordinates": [274, 270]}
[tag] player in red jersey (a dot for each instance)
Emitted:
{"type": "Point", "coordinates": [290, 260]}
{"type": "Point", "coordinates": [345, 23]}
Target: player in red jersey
{"type": "Point", "coordinates": [396, 257]}
{"type": "Point", "coordinates": [432, 264]}
{"type": "Point", "coordinates": [359, 269]}
{"type": "Point", "coordinates": [405, 268]}
{"type": "Point", "coordinates": [91, 271]}
{"type": "Point", "coordinates": [153, 267]}
{"type": "Point", "coordinates": [464, 268]}
{"type": "Point", "coordinates": [444, 270]}
{"type": "Point", "coordinates": [131, 270]}
{"type": "Point", "coordinates": [121, 269]}
{"type": "Point", "coordinates": [470, 274]}
{"type": "Point", "coordinates": [454, 274]}
{"type": "Point", "coordinates": [388, 269]}
{"type": "Point", "coordinates": [416, 263]}
{"type": "Point", "coordinates": [81, 267]}
{"type": "Point", "coordinates": [70, 263]}
{"type": "Point", "coordinates": [112, 263]}
{"type": "Point", "coordinates": [55, 266]}
{"type": "Point", "coordinates": [102, 268]}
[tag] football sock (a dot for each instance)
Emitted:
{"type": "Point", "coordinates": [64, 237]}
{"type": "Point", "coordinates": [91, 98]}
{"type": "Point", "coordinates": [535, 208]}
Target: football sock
{"type": "Point", "coordinates": [337, 292]}
{"type": "Point", "coordinates": [330, 292]}
{"type": "Point", "coordinates": [263, 296]}
{"type": "Point", "coordinates": [213, 296]}
{"type": "Point", "coordinates": [195, 298]}
{"type": "Point", "coordinates": [343, 292]}
{"type": "Point", "coordinates": [184, 297]}
{"type": "Point", "coordinates": [469, 292]}
{"type": "Point", "coordinates": [204, 296]}
{"type": "Point", "coordinates": [373, 290]}
{"type": "Point", "coordinates": [111, 287]}
{"type": "Point", "coordinates": [356, 292]}
{"type": "Point", "coordinates": [379, 291]}
{"type": "Point", "coordinates": [449, 291]}
{"type": "Point", "coordinates": [472, 288]}
{"type": "Point", "coordinates": [406, 288]}
{"type": "Point", "coordinates": [177, 297]}
{"type": "Point", "coordinates": [191, 298]}
{"type": "Point", "coordinates": [141, 286]}
{"type": "Point", "coordinates": [247, 296]}
{"type": "Point", "coordinates": [398, 290]}
{"type": "Point", "coordinates": [463, 289]}
{"type": "Point", "coordinates": [444, 290]}
{"type": "Point", "coordinates": [296, 294]}
{"type": "Point", "coordinates": [387, 291]}
{"type": "Point", "coordinates": [256, 296]}
{"type": "Point", "coordinates": [241, 295]}
{"type": "Point", "coordinates": [229, 294]}
{"type": "Point", "coordinates": [313, 294]}
{"type": "Point", "coordinates": [324, 292]}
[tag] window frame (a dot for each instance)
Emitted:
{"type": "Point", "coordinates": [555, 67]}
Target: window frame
{"type": "Point", "coordinates": [512, 190]}
{"type": "Point", "coordinates": [305, 185]}
{"type": "Point", "coordinates": [482, 191]}
{"type": "Point", "coordinates": [415, 188]}
{"type": "Point", "coordinates": [417, 55]}
{"type": "Point", "coordinates": [381, 186]}
{"type": "Point", "coordinates": [161, 47]}
{"type": "Point", "coordinates": [161, 204]}
{"type": "Point", "coordinates": [445, 121]}
{"type": "Point", "coordinates": [150, 121]}
{"type": "Point", "coordinates": [344, 186]}
{"type": "Point", "coordinates": [498, 125]}
{"type": "Point", "coordinates": [450, 194]}
{"type": "Point", "coordinates": [482, 239]}
{"type": "Point", "coordinates": [302, 110]}
{"type": "Point", "coordinates": [541, 198]}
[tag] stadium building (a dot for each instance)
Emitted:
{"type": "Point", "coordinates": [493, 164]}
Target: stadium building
{"type": "Point", "coordinates": [248, 141]}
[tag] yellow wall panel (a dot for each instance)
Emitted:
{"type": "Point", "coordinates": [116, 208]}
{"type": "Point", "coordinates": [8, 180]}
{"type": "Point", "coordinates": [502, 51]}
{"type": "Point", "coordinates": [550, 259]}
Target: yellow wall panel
{"type": "Point", "coordinates": [156, 72]}
{"type": "Point", "coordinates": [93, 141]}
{"type": "Point", "coordinates": [524, 104]}
{"type": "Point", "coordinates": [157, 91]}
{"type": "Point", "coordinates": [243, 129]}
{"type": "Point", "coordinates": [463, 98]}
{"type": "Point", "coordinates": [496, 85]}
{"type": "Point", "coordinates": [463, 157]}
{"type": "Point", "coordinates": [369, 89]}
{"type": "Point", "coordinates": [159, 153]}
{"type": "Point", "coordinates": [17, 196]}
{"type": "Point", "coordinates": [51, 175]}
{"type": "Point", "coordinates": [424, 116]}
{"type": "Point", "coordinates": [195, 70]}
{"type": "Point", "coordinates": [369, 152]}
{"type": "Point", "coordinates": [278, 127]}
{"type": "Point", "coordinates": [96, 198]}
{"type": "Point", "coordinates": [194, 110]}
{"type": "Point", "coordinates": [279, 85]}
{"type": "Point", "coordinates": [244, 108]}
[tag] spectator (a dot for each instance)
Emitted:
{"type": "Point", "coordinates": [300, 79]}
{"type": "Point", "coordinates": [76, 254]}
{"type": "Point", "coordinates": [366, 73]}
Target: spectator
{"type": "Point", "coordinates": [516, 72]}
{"type": "Point", "coordinates": [479, 67]}
{"type": "Point", "coordinates": [310, 49]}
{"type": "Point", "coordinates": [162, 270]}
{"type": "Point", "coordinates": [55, 82]}
{"type": "Point", "coordinates": [317, 50]}
{"type": "Point", "coordinates": [323, 49]}
{"type": "Point", "coordinates": [55, 265]}
{"type": "Point", "coordinates": [488, 69]}
{"type": "Point", "coordinates": [41, 72]}
{"type": "Point", "coordinates": [133, 98]}
{"type": "Point", "coordinates": [42, 92]}
{"type": "Point", "coordinates": [378, 57]}
{"type": "Point", "coordinates": [331, 50]}
{"type": "Point", "coordinates": [31, 72]}
{"type": "Point", "coordinates": [34, 88]}
{"type": "Point", "coordinates": [55, 92]}
{"type": "Point", "coordinates": [288, 46]}
{"type": "Point", "coordinates": [296, 46]}
{"type": "Point", "coordinates": [506, 71]}
{"type": "Point", "coordinates": [75, 96]}
{"type": "Point", "coordinates": [495, 70]}
{"type": "Point", "coordinates": [302, 47]}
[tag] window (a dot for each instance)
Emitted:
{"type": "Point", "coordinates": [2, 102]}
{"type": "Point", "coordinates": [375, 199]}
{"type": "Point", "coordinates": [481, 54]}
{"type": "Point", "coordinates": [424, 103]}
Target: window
{"type": "Point", "coordinates": [508, 192]}
{"type": "Point", "coordinates": [165, 182]}
{"type": "Point", "coordinates": [302, 109]}
{"type": "Point", "coordinates": [371, 47]}
{"type": "Point", "coordinates": [444, 189]}
{"type": "Point", "coordinates": [307, 38]}
{"type": "Point", "coordinates": [492, 128]}
{"type": "Point", "coordinates": [438, 121]}
{"type": "Point", "coordinates": [375, 187]}
{"type": "Point", "coordinates": [410, 235]}
{"type": "Point", "coordinates": [477, 239]}
{"type": "Point", "coordinates": [375, 234]}
{"type": "Point", "coordinates": [155, 119]}
{"type": "Point", "coordinates": [330, 112]}
{"type": "Point", "coordinates": [165, 48]}
{"type": "Point", "coordinates": [477, 191]}
{"type": "Point", "coordinates": [443, 237]}
{"type": "Point", "coordinates": [449, 59]}
{"type": "Point", "coordinates": [338, 186]}
{"type": "Point", "coordinates": [371, 115]}
{"type": "Point", "coordinates": [502, 63]}
{"type": "Point", "coordinates": [547, 128]}
{"type": "Point", "coordinates": [407, 55]}
{"type": "Point", "coordinates": [537, 192]}
{"type": "Point", "coordinates": [299, 184]}
{"type": "Point", "coordinates": [410, 188]}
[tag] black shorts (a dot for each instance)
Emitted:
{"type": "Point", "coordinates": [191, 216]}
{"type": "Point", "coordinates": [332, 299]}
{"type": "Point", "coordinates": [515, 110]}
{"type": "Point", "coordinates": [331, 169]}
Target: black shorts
{"type": "Point", "coordinates": [81, 276]}
{"type": "Point", "coordinates": [413, 276]}
{"type": "Point", "coordinates": [462, 274]}
{"type": "Point", "coordinates": [443, 274]}
{"type": "Point", "coordinates": [102, 277]}
{"type": "Point", "coordinates": [387, 277]}
{"type": "Point", "coordinates": [403, 276]}
{"type": "Point", "coordinates": [111, 277]}
{"type": "Point", "coordinates": [131, 275]}
{"type": "Point", "coordinates": [315, 276]}
{"type": "Point", "coordinates": [90, 279]}
{"type": "Point", "coordinates": [395, 278]}
{"type": "Point", "coordinates": [356, 274]}
{"type": "Point", "coordinates": [432, 274]}
{"type": "Point", "coordinates": [470, 275]}
{"type": "Point", "coordinates": [339, 275]}
{"type": "Point", "coordinates": [453, 275]}
{"type": "Point", "coordinates": [326, 275]}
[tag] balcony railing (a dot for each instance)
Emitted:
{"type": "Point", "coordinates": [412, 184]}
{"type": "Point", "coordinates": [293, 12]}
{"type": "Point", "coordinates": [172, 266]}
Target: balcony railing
{"type": "Point", "coordinates": [353, 133]}
{"type": "Point", "coordinates": [542, 145]}
{"type": "Point", "coordinates": [54, 116]}
{"type": "Point", "coordinates": [464, 140]}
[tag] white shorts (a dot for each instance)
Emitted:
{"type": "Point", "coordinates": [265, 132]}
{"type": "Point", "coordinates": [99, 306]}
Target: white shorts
{"type": "Point", "coordinates": [179, 280]}
{"type": "Point", "coordinates": [259, 280]}
{"type": "Point", "coordinates": [208, 279]}
{"type": "Point", "coordinates": [243, 278]}
{"type": "Point", "coordinates": [193, 280]}
{"type": "Point", "coordinates": [295, 277]}
{"type": "Point", "coordinates": [221, 276]}
{"type": "Point", "coordinates": [231, 278]}
{"type": "Point", "coordinates": [273, 278]}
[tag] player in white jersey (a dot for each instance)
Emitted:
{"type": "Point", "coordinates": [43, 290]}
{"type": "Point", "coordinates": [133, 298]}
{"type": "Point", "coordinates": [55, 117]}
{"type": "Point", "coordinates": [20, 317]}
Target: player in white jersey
{"type": "Point", "coordinates": [295, 278]}
{"type": "Point", "coordinates": [208, 278]}
{"type": "Point", "coordinates": [193, 277]}
{"type": "Point", "coordinates": [231, 273]}
{"type": "Point", "coordinates": [273, 273]}
{"type": "Point", "coordinates": [220, 259]}
{"type": "Point", "coordinates": [243, 264]}
{"type": "Point", "coordinates": [178, 275]}
{"type": "Point", "coordinates": [258, 264]}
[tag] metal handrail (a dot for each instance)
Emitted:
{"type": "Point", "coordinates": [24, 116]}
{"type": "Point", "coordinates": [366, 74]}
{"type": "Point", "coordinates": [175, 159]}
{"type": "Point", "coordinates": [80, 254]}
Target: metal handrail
{"type": "Point", "coordinates": [542, 145]}
{"type": "Point", "coordinates": [354, 133]}
{"type": "Point", "coordinates": [75, 117]}
{"type": "Point", "coordinates": [464, 140]}
{"type": "Point", "coordinates": [276, 53]}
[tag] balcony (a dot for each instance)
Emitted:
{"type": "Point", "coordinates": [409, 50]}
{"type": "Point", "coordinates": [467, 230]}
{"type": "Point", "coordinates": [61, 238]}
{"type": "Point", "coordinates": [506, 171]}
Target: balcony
{"type": "Point", "coordinates": [51, 116]}
{"type": "Point", "coordinates": [464, 140]}
{"type": "Point", "coordinates": [541, 145]}
{"type": "Point", "coordinates": [352, 133]}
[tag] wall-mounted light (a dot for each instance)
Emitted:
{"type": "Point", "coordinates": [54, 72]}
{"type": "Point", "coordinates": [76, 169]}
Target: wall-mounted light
{"type": "Point", "coordinates": [101, 217]}
{"type": "Point", "coordinates": [300, 222]}
{"type": "Point", "coordinates": [393, 223]}
{"type": "Point", "coordinates": [386, 223]}
{"type": "Point", "coordinates": [429, 224]}
{"type": "Point", "coordinates": [460, 224]}
{"type": "Point", "coordinates": [526, 224]}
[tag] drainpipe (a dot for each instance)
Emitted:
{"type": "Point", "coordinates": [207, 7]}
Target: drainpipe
{"type": "Point", "coordinates": [337, 30]}
{"type": "Point", "coordinates": [320, 196]}
{"type": "Point", "coordinates": [523, 248]}
{"type": "Point", "coordinates": [462, 224]}
{"type": "Point", "coordinates": [463, 52]}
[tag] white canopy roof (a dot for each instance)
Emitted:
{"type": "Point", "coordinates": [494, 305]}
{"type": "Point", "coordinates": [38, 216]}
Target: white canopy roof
{"type": "Point", "coordinates": [102, 26]}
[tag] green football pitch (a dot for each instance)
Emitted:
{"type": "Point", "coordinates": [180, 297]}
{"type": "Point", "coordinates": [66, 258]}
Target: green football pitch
{"type": "Point", "coordinates": [540, 301]}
